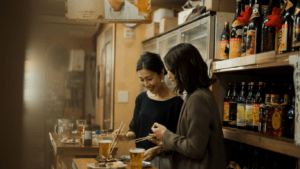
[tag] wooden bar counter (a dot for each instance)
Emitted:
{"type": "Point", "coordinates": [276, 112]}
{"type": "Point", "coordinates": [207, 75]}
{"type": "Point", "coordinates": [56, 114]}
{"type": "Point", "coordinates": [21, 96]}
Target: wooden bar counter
{"type": "Point", "coordinates": [64, 153]}
{"type": "Point", "coordinates": [81, 163]}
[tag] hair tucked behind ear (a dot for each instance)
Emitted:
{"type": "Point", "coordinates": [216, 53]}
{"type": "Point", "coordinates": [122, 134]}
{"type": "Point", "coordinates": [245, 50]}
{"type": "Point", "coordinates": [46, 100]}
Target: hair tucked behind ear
{"type": "Point", "coordinates": [152, 62]}
{"type": "Point", "coordinates": [190, 71]}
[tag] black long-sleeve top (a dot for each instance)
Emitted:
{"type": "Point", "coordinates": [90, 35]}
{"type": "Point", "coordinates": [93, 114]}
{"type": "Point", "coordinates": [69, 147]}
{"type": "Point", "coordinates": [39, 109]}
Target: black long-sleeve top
{"type": "Point", "coordinates": [147, 111]}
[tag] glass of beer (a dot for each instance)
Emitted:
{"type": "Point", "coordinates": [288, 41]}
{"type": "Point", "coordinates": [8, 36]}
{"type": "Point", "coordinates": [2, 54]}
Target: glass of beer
{"type": "Point", "coordinates": [104, 147]}
{"type": "Point", "coordinates": [136, 157]}
{"type": "Point", "coordinates": [80, 127]}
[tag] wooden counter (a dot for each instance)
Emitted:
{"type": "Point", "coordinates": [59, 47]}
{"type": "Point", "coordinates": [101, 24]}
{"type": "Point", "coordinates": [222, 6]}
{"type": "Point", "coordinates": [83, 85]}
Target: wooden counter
{"type": "Point", "coordinates": [64, 153]}
{"type": "Point", "coordinates": [81, 163]}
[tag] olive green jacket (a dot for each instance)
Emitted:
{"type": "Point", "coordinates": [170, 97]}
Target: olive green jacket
{"type": "Point", "coordinates": [198, 142]}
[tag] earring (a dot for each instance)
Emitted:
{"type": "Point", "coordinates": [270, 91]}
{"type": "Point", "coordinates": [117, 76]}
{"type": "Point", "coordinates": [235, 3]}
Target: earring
{"type": "Point", "coordinates": [162, 80]}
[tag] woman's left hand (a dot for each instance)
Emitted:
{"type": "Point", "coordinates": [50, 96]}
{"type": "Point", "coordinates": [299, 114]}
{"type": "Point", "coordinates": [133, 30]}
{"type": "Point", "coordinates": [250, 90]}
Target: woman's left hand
{"type": "Point", "coordinates": [151, 153]}
{"type": "Point", "coordinates": [158, 131]}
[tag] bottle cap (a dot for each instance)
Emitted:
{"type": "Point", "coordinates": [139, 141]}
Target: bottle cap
{"type": "Point", "coordinates": [226, 23]}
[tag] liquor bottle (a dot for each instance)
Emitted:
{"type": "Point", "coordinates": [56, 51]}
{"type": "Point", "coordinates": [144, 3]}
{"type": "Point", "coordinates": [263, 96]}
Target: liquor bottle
{"type": "Point", "coordinates": [255, 160]}
{"type": "Point", "coordinates": [254, 30]}
{"type": "Point", "coordinates": [269, 33]}
{"type": "Point", "coordinates": [296, 28]}
{"type": "Point", "coordinates": [241, 108]}
{"type": "Point", "coordinates": [88, 132]}
{"type": "Point", "coordinates": [233, 106]}
{"type": "Point", "coordinates": [226, 106]}
{"type": "Point", "coordinates": [284, 91]}
{"type": "Point", "coordinates": [244, 35]}
{"type": "Point", "coordinates": [285, 109]}
{"type": "Point", "coordinates": [290, 120]}
{"type": "Point", "coordinates": [224, 43]}
{"type": "Point", "coordinates": [236, 33]}
{"type": "Point", "coordinates": [287, 27]}
{"type": "Point", "coordinates": [259, 99]}
{"type": "Point", "coordinates": [249, 107]}
{"type": "Point", "coordinates": [269, 114]}
{"type": "Point", "coordinates": [267, 90]}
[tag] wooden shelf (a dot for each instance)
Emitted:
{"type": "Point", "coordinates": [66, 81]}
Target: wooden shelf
{"type": "Point", "coordinates": [276, 144]}
{"type": "Point", "coordinates": [259, 61]}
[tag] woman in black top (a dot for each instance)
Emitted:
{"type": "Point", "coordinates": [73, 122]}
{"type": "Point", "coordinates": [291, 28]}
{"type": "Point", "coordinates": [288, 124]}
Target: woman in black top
{"type": "Point", "coordinates": [158, 104]}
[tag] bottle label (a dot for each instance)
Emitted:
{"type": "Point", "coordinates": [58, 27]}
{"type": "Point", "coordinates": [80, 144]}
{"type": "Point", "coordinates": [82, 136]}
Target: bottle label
{"type": "Point", "coordinates": [276, 120]}
{"type": "Point", "coordinates": [240, 114]}
{"type": "Point", "coordinates": [226, 111]}
{"type": "Point", "coordinates": [256, 114]}
{"type": "Point", "coordinates": [296, 34]}
{"type": "Point", "coordinates": [255, 12]}
{"type": "Point", "coordinates": [235, 47]}
{"type": "Point", "coordinates": [223, 46]}
{"type": "Point", "coordinates": [249, 114]}
{"type": "Point", "coordinates": [87, 134]}
{"type": "Point", "coordinates": [267, 99]}
{"type": "Point", "coordinates": [236, 23]}
{"type": "Point", "coordinates": [284, 35]}
{"type": "Point", "coordinates": [289, 5]}
{"type": "Point", "coordinates": [251, 42]}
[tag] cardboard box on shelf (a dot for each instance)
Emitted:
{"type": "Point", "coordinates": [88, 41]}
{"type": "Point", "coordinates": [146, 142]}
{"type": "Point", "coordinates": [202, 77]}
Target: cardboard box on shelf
{"type": "Point", "coordinates": [224, 6]}
{"type": "Point", "coordinates": [182, 16]}
{"type": "Point", "coordinates": [151, 30]}
{"type": "Point", "coordinates": [167, 23]}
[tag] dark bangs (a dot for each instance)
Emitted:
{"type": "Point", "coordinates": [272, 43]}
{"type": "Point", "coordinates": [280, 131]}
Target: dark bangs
{"type": "Point", "coordinates": [190, 71]}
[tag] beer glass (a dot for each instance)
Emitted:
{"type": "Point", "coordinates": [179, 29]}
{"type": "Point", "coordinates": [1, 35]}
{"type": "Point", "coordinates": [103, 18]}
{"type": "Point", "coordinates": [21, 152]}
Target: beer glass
{"type": "Point", "coordinates": [136, 157]}
{"type": "Point", "coordinates": [80, 127]}
{"type": "Point", "coordinates": [104, 147]}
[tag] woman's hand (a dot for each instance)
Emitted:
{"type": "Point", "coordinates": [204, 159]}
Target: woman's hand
{"type": "Point", "coordinates": [155, 141]}
{"type": "Point", "coordinates": [158, 131]}
{"type": "Point", "coordinates": [151, 153]}
{"type": "Point", "coordinates": [121, 136]}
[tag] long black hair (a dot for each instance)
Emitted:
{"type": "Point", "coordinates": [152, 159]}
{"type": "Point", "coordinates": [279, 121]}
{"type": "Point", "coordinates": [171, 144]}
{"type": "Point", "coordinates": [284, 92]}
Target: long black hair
{"type": "Point", "coordinates": [152, 62]}
{"type": "Point", "coordinates": [190, 71]}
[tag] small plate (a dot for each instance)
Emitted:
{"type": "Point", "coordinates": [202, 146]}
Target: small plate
{"type": "Point", "coordinates": [92, 165]}
{"type": "Point", "coordinates": [126, 157]}
{"type": "Point", "coordinates": [146, 163]}
{"type": "Point", "coordinates": [112, 159]}
{"type": "Point", "coordinates": [69, 141]}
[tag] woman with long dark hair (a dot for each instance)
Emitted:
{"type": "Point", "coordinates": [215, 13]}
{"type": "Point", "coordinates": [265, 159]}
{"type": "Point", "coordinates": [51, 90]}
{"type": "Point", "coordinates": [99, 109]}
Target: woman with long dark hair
{"type": "Point", "coordinates": [198, 141]}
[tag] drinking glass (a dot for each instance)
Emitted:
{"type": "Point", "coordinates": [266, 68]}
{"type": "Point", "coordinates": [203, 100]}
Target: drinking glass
{"type": "Point", "coordinates": [104, 148]}
{"type": "Point", "coordinates": [80, 127]}
{"type": "Point", "coordinates": [136, 157]}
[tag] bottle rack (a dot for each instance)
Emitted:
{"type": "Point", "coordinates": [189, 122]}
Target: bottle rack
{"type": "Point", "coordinates": [244, 66]}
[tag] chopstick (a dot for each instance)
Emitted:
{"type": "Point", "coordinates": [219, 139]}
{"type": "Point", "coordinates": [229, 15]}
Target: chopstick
{"type": "Point", "coordinates": [142, 139]}
{"type": "Point", "coordinates": [114, 144]}
{"type": "Point", "coordinates": [115, 138]}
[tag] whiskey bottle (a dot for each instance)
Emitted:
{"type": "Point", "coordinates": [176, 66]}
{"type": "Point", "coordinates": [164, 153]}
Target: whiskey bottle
{"type": "Point", "coordinates": [259, 99]}
{"type": "Point", "coordinates": [254, 30]}
{"type": "Point", "coordinates": [226, 106]}
{"type": "Point", "coordinates": [233, 107]}
{"type": "Point", "coordinates": [224, 43]}
{"type": "Point", "coordinates": [236, 33]}
{"type": "Point", "coordinates": [249, 107]}
{"type": "Point", "coordinates": [241, 108]}
{"type": "Point", "coordinates": [88, 132]}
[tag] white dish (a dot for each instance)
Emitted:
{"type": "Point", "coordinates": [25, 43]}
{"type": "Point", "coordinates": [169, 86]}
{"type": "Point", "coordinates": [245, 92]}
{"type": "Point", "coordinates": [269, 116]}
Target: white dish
{"type": "Point", "coordinates": [92, 165]}
{"type": "Point", "coordinates": [69, 141]}
{"type": "Point", "coordinates": [126, 157]}
{"type": "Point", "coordinates": [146, 163]}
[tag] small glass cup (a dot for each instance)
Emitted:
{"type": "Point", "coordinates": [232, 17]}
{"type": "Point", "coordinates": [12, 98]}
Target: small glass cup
{"type": "Point", "coordinates": [136, 157]}
{"type": "Point", "coordinates": [80, 127]}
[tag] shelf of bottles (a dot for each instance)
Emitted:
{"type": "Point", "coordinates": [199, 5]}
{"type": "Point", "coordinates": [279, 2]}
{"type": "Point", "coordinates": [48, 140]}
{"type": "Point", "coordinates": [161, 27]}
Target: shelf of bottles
{"type": "Point", "coordinates": [248, 157]}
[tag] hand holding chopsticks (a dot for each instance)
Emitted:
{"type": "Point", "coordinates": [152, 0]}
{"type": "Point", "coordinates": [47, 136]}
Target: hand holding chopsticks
{"type": "Point", "coordinates": [116, 139]}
